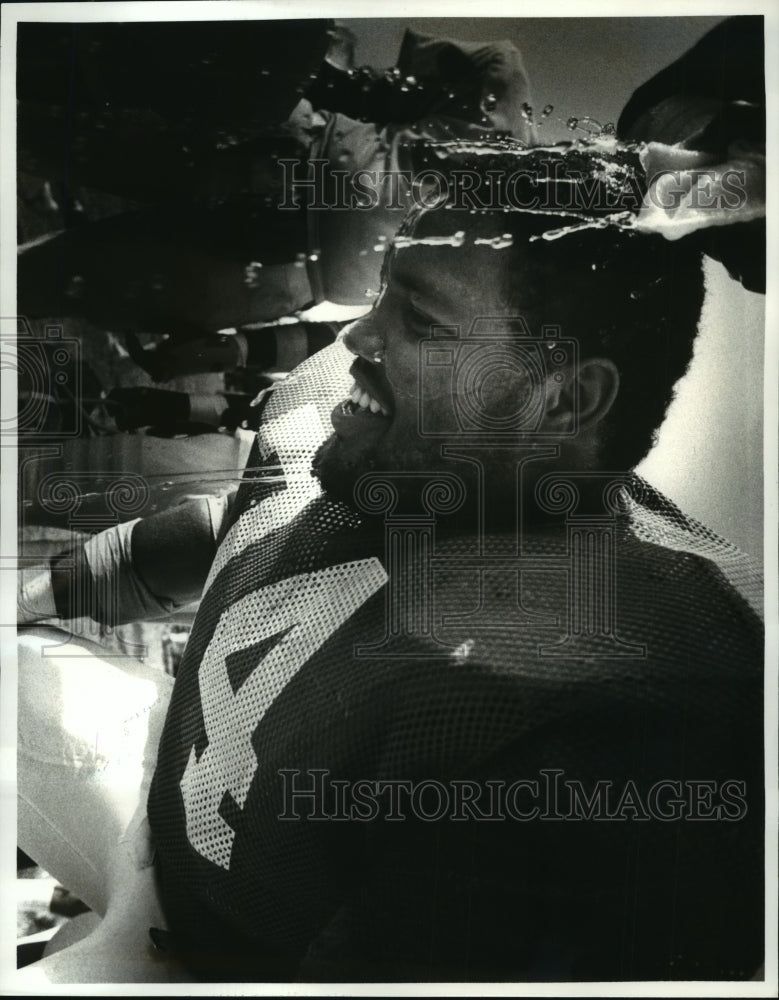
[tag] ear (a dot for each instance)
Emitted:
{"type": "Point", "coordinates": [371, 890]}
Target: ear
{"type": "Point", "coordinates": [582, 397]}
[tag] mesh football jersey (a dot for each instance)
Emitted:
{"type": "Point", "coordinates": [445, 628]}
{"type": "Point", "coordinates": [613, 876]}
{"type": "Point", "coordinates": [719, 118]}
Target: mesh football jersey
{"type": "Point", "coordinates": [355, 689]}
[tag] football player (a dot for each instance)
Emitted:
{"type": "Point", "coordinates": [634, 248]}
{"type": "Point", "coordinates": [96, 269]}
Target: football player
{"type": "Point", "coordinates": [472, 702]}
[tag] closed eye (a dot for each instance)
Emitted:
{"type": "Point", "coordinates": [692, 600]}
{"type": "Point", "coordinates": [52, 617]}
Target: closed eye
{"type": "Point", "coordinates": [418, 318]}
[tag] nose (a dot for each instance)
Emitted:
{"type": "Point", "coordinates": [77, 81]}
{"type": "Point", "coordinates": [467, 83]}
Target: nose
{"type": "Point", "coordinates": [364, 337]}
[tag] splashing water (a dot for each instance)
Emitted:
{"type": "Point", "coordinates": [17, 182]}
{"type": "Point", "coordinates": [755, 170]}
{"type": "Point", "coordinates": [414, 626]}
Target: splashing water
{"type": "Point", "coordinates": [622, 174]}
{"type": "Point", "coordinates": [615, 167]}
{"type": "Point", "coordinates": [455, 240]}
{"type": "Point", "coordinates": [496, 242]}
{"type": "Point", "coordinates": [621, 220]}
{"type": "Point", "coordinates": [591, 127]}
{"type": "Point", "coordinates": [608, 145]}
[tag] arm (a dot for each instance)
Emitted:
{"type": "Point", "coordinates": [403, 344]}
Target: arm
{"type": "Point", "coordinates": [134, 571]}
{"type": "Point", "coordinates": [680, 103]}
{"type": "Point", "coordinates": [703, 118]}
{"type": "Point", "coordinates": [481, 82]}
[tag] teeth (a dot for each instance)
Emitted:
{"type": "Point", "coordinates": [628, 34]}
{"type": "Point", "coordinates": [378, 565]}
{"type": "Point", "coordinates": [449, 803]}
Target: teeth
{"type": "Point", "coordinates": [362, 399]}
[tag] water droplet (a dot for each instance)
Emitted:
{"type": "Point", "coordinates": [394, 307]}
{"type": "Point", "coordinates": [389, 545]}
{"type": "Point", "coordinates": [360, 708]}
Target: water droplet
{"type": "Point", "coordinates": [590, 125]}
{"type": "Point", "coordinates": [527, 111]}
{"type": "Point", "coordinates": [548, 109]}
{"type": "Point", "coordinates": [490, 102]}
{"type": "Point", "coordinates": [609, 128]}
{"type": "Point", "coordinates": [572, 123]}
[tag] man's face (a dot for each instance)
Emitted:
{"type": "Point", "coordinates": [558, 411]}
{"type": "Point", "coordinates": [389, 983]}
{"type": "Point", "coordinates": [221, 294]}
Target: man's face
{"type": "Point", "coordinates": [382, 427]}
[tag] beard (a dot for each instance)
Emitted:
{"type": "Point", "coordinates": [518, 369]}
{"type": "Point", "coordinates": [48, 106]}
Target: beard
{"type": "Point", "coordinates": [339, 467]}
{"type": "Point", "coordinates": [400, 470]}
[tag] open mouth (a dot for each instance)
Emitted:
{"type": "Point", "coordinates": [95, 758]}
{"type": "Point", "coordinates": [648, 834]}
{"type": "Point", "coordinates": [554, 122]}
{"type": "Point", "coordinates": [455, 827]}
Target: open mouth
{"type": "Point", "coordinates": [361, 399]}
{"type": "Point", "coordinates": [369, 396]}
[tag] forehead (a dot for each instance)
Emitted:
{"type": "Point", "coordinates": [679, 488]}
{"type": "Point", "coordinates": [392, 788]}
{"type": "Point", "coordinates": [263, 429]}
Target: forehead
{"type": "Point", "coordinates": [451, 256]}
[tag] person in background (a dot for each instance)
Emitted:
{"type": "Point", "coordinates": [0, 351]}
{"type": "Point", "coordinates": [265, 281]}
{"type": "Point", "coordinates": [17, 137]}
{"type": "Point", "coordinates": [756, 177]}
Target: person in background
{"type": "Point", "coordinates": [205, 246]}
